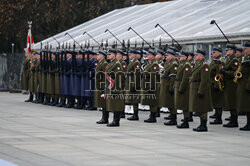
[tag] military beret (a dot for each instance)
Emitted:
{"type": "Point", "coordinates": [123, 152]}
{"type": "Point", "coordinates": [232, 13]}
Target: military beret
{"type": "Point", "coordinates": [173, 48]}
{"type": "Point", "coordinates": [90, 52]}
{"type": "Point", "coordinates": [200, 51]}
{"type": "Point", "coordinates": [184, 53]}
{"type": "Point", "coordinates": [217, 49]}
{"type": "Point", "coordinates": [102, 52]}
{"type": "Point", "coordinates": [111, 51]}
{"type": "Point", "coordinates": [120, 52]}
{"type": "Point", "coordinates": [132, 51]}
{"type": "Point", "coordinates": [247, 44]}
{"type": "Point", "coordinates": [191, 54]}
{"type": "Point", "coordinates": [230, 47]}
{"type": "Point", "coordinates": [159, 51]}
{"type": "Point", "coordinates": [239, 49]}
{"type": "Point", "coordinates": [151, 51]}
{"type": "Point", "coordinates": [170, 51]}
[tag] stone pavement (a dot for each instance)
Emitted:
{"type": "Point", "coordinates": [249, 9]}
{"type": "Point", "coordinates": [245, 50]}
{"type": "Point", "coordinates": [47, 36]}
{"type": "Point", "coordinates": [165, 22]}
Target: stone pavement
{"type": "Point", "coordinates": [38, 135]}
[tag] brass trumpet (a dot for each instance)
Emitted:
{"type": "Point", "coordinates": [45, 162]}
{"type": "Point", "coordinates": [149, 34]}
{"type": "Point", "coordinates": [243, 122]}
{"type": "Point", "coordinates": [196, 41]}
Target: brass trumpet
{"type": "Point", "coordinates": [219, 79]}
{"type": "Point", "coordinates": [238, 73]}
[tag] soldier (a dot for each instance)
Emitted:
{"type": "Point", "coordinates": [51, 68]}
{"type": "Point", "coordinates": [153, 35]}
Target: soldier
{"type": "Point", "coordinates": [45, 78]}
{"type": "Point", "coordinates": [148, 86]}
{"type": "Point", "coordinates": [228, 71]}
{"type": "Point", "coordinates": [181, 94]}
{"type": "Point", "coordinates": [99, 100]}
{"type": "Point", "coordinates": [199, 92]}
{"type": "Point", "coordinates": [217, 84]}
{"type": "Point", "coordinates": [36, 78]}
{"type": "Point", "coordinates": [114, 79]}
{"type": "Point", "coordinates": [239, 56]}
{"type": "Point", "coordinates": [243, 90]}
{"type": "Point", "coordinates": [51, 78]}
{"type": "Point", "coordinates": [25, 77]}
{"type": "Point", "coordinates": [160, 60]}
{"type": "Point", "coordinates": [119, 57]}
{"type": "Point", "coordinates": [167, 86]}
{"type": "Point", "coordinates": [132, 84]}
{"type": "Point", "coordinates": [191, 59]}
{"type": "Point", "coordinates": [32, 75]}
{"type": "Point", "coordinates": [57, 80]}
{"type": "Point", "coordinates": [90, 76]}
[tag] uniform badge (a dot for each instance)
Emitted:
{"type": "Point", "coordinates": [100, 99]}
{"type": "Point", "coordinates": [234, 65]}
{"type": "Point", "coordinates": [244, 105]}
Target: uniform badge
{"type": "Point", "coordinates": [236, 63]}
{"type": "Point", "coordinates": [206, 69]}
{"type": "Point", "coordinates": [155, 67]}
{"type": "Point", "coordinates": [96, 64]}
{"type": "Point", "coordinates": [175, 68]}
{"type": "Point", "coordinates": [137, 66]}
{"type": "Point", "coordinates": [124, 66]}
{"type": "Point", "coordinates": [118, 68]}
{"type": "Point", "coordinates": [187, 69]}
{"type": "Point", "coordinates": [222, 67]}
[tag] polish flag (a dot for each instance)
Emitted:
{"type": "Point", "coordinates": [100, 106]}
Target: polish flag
{"type": "Point", "coordinates": [30, 41]}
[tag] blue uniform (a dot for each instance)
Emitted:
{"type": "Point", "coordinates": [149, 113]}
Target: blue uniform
{"type": "Point", "coordinates": [90, 78]}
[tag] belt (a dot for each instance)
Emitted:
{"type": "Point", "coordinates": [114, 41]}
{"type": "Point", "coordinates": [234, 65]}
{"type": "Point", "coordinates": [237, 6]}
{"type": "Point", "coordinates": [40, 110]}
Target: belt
{"type": "Point", "coordinates": [195, 80]}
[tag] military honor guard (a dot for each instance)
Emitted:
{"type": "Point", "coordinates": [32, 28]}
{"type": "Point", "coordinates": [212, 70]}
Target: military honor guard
{"type": "Point", "coordinates": [199, 91]}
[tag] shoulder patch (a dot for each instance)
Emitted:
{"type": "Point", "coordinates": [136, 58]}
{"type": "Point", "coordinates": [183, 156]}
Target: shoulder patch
{"type": "Point", "coordinates": [186, 68]}
{"type": "Point", "coordinates": [118, 68]}
{"type": "Point", "coordinates": [137, 66]}
{"type": "Point", "coordinates": [236, 63]}
{"type": "Point", "coordinates": [206, 69]}
{"type": "Point", "coordinates": [124, 66]}
{"type": "Point", "coordinates": [175, 68]}
{"type": "Point", "coordinates": [155, 67]}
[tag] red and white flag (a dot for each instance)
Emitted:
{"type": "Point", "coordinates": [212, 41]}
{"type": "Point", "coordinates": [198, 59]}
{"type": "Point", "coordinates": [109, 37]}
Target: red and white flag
{"type": "Point", "coordinates": [30, 41]}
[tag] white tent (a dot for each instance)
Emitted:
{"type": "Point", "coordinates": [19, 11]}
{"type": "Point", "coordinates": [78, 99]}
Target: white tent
{"type": "Point", "coordinates": [188, 21]}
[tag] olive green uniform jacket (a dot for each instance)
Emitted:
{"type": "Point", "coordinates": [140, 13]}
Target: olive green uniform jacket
{"type": "Point", "coordinates": [243, 90]}
{"type": "Point", "coordinates": [167, 84]}
{"type": "Point", "coordinates": [51, 79]}
{"type": "Point", "coordinates": [114, 86]}
{"type": "Point", "coordinates": [132, 82]}
{"type": "Point", "coordinates": [148, 84]}
{"type": "Point", "coordinates": [100, 84]}
{"type": "Point", "coordinates": [217, 95]}
{"type": "Point", "coordinates": [25, 74]}
{"type": "Point", "coordinates": [181, 93]}
{"type": "Point", "coordinates": [36, 79]}
{"type": "Point", "coordinates": [231, 66]}
{"type": "Point", "coordinates": [200, 84]}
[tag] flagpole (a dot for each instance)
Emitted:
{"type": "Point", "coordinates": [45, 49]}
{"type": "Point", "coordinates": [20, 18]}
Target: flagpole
{"type": "Point", "coordinates": [29, 36]}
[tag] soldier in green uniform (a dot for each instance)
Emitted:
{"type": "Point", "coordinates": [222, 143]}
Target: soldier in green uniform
{"type": "Point", "coordinates": [231, 65]}
{"type": "Point", "coordinates": [181, 93]}
{"type": "Point", "coordinates": [36, 78]}
{"type": "Point", "coordinates": [32, 75]}
{"type": "Point", "coordinates": [51, 79]}
{"type": "Point", "coordinates": [99, 100]}
{"type": "Point", "coordinates": [243, 90]}
{"type": "Point", "coordinates": [25, 77]}
{"type": "Point", "coordinates": [119, 57]}
{"type": "Point", "coordinates": [199, 91]}
{"type": "Point", "coordinates": [239, 56]}
{"type": "Point", "coordinates": [57, 80]}
{"type": "Point", "coordinates": [114, 79]}
{"type": "Point", "coordinates": [160, 61]}
{"type": "Point", "coordinates": [217, 84]}
{"type": "Point", "coordinates": [148, 86]}
{"type": "Point", "coordinates": [167, 87]}
{"type": "Point", "coordinates": [132, 83]}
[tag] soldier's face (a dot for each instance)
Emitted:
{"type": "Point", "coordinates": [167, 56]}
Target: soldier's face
{"type": "Point", "coordinates": [190, 58]}
{"type": "Point", "coordinates": [169, 57]}
{"type": "Point", "coordinates": [111, 56]}
{"type": "Point", "coordinates": [53, 56]}
{"type": "Point", "coordinates": [183, 58]}
{"type": "Point", "coordinates": [247, 51]}
{"type": "Point", "coordinates": [216, 54]}
{"type": "Point", "coordinates": [100, 57]}
{"type": "Point", "coordinates": [198, 57]}
{"type": "Point", "coordinates": [238, 54]}
{"type": "Point", "coordinates": [158, 56]}
{"type": "Point", "coordinates": [131, 56]}
{"type": "Point", "coordinates": [138, 56]}
{"type": "Point", "coordinates": [124, 57]}
{"type": "Point", "coordinates": [151, 57]}
{"type": "Point", "coordinates": [229, 52]}
{"type": "Point", "coordinates": [118, 56]}
{"type": "Point", "coordinates": [69, 55]}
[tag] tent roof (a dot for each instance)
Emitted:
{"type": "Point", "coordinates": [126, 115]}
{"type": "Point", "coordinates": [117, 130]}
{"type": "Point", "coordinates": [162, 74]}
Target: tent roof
{"type": "Point", "coordinates": [188, 21]}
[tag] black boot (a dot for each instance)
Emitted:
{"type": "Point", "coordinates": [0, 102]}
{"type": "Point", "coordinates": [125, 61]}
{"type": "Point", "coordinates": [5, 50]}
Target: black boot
{"type": "Point", "coordinates": [52, 101]}
{"type": "Point", "coordinates": [232, 123]}
{"type": "Point", "coordinates": [218, 120]}
{"type": "Point", "coordinates": [184, 125]}
{"type": "Point", "coordinates": [169, 117]}
{"type": "Point", "coordinates": [55, 102]}
{"type": "Point", "coordinates": [116, 120]}
{"type": "Point", "coordinates": [123, 114]}
{"type": "Point", "coordinates": [105, 117]}
{"type": "Point", "coordinates": [62, 103]}
{"type": "Point", "coordinates": [41, 98]}
{"type": "Point", "coordinates": [171, 122]}
{"type": "Point", "coordinates": [213, 116]}
{"type": "Point", "coordinates": [202, 127]}
{"type": "Point", "coordinates": [228, 119]}
{"type": "Point", "coordinates": [158, 113]}
{"type": "Point", "coordinates": [46, 101]}
{"type": "Point", "coordinates": [152, 118]}
{"type": "Point", "coordinates": [30, 98]}
{"type": "Point", "coordinates": [135, 116]}
{"type": "Point", "coordinates": [247, 126]}
{"type": "Point", "coordinates": [190, 119]}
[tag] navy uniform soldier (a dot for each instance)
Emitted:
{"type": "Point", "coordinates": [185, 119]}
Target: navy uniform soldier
{"type": "Point", "coordinates": [132, 84]}
{"type": "Point", "coordinates": [99, 100]}
{"type": "Point", "coordinates": [181, 94]}
{"type": "Point", "coordinates": [199, 92]}
{"type": "Point", "coordinates": [167, 86]}
{"type": "Point", "coordinates": [243, 90]}
{"type": "Point", "coordinates": [119, 57]}
{"type": "Point", "coordinates": [231, 65]}
{"type": "Point", "coordinates": [113, 89]}
{"type": "Point", "coordinates": [148, 86]}
{"type": "Point", "coordinates": [217, 84]}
